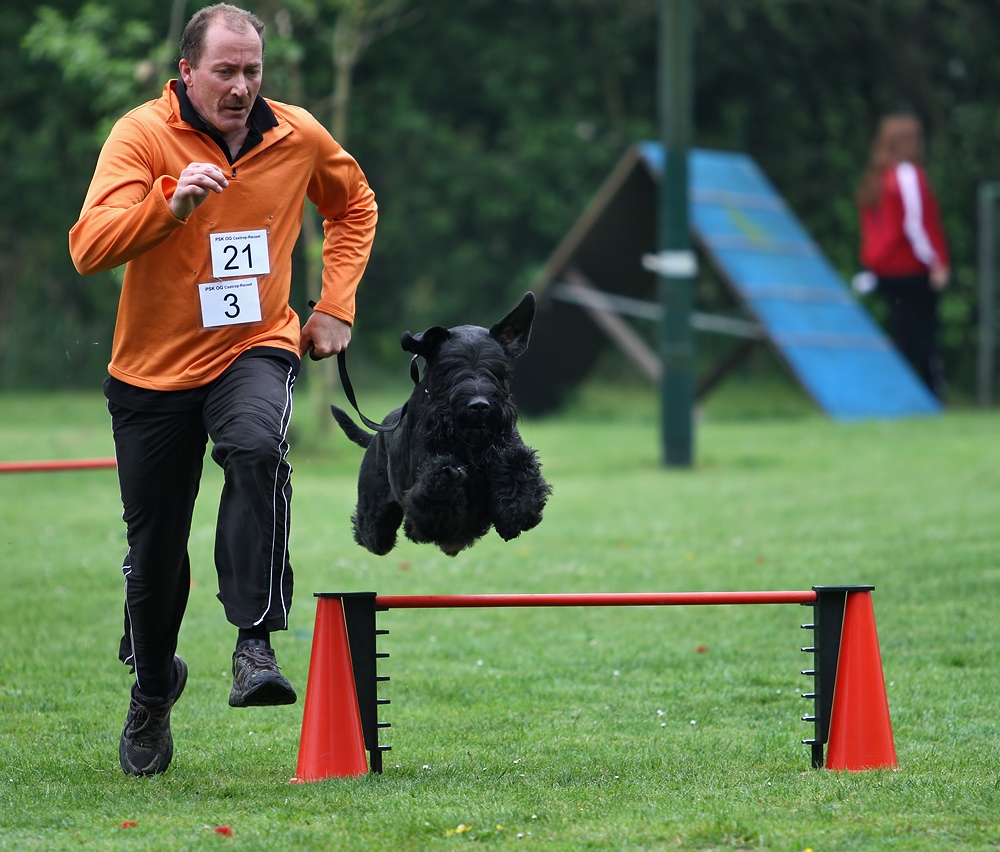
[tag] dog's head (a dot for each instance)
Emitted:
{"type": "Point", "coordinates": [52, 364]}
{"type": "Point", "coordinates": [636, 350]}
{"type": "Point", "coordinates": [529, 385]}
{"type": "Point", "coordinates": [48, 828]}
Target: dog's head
{"type": "Point", "coordinates": [467, 380]}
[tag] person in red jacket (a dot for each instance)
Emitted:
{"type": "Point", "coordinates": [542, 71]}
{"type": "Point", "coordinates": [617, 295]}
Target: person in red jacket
{"type": "Point", "coordinates": [200, 194]}
{"type": "Point", "coordinates": [903, 244]}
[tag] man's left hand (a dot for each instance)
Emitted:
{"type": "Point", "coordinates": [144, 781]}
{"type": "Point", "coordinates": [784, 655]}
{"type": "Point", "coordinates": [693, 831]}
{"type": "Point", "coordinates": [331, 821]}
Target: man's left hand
{"type": "Point", "coordinates": [324, 335]}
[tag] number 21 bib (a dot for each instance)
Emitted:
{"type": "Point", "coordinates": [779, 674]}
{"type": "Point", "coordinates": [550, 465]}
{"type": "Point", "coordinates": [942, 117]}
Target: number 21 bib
{"type": "Point", "coordinates": [239, 258]}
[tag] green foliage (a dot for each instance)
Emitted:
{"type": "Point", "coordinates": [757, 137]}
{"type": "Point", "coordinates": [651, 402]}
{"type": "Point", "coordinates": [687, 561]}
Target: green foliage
{"type": "Point", "coordinates": [484, 151]}
{"type": "Point", "coordinates": [55, 328]}
{"type": "Point", "coordinates": [486, 127]}
{"type": "Point", "coordinates": [95, 50]}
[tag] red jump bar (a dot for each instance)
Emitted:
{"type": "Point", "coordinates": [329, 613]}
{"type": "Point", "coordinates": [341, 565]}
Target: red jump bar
{"type": "Point", "coordinates": [608, 599]}
{"type": "Point", "coordinates": [70, 464]}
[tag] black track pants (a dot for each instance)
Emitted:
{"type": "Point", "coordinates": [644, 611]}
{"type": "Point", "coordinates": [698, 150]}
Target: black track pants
{"type": "Point", "coordinates": [160, 454]}
{"type": "Point", "coordinates": [913, 326]}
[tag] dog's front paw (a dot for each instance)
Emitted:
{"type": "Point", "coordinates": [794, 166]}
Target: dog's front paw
{"type": "Point", "coordinates": [443, 479]}
{"type": "Point", "coordinates": [511, 521]}
{"type": "Point", "coordinates": [519, 491]}
{"type": "Point", "coordinates": [436, 505]}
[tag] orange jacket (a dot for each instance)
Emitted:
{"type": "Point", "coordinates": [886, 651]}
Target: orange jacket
{"type": "Point", "coordinates": [159, 340]}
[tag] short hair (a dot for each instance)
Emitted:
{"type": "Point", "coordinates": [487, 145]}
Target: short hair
{"type": "Point", "coordinates": [233, 18]}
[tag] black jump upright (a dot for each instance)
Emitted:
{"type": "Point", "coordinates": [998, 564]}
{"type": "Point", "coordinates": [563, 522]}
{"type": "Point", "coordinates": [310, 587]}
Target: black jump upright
{"type": "Point", "coordinates": [362, 633]}
{"type": "Point", "coordinates": [827, 626]}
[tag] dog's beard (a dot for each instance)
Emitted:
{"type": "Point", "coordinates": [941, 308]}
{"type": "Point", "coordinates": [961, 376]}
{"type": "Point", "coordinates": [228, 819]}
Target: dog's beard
{"type": "Point", "coordinates": [455, 424]}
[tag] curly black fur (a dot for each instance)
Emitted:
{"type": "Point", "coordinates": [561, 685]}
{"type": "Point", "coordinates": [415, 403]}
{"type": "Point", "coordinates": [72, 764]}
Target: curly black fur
{"type": "Point", "coordinates": [455, 465]}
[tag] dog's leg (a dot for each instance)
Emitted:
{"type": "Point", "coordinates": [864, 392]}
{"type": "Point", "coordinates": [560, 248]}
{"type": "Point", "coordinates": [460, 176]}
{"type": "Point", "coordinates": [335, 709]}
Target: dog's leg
{"type": "Point", "coordinates": [436, 505]}
{"type": "Point", "coordinates": [518, 491]}
{"type": "Point", "coordinates": [377, 516]}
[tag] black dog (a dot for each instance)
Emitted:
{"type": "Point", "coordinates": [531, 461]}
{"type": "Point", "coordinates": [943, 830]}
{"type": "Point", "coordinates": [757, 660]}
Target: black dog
{"type": "Point", "coordinates": [454, 464]}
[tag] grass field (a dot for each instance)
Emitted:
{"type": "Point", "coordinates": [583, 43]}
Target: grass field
{"type": "Point", "coordinates": [564, 729]}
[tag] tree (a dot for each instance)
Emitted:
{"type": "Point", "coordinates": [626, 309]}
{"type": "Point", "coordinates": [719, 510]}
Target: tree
{"type": "Point", "coordinates": [53, 331]}
{"type": "Point", "coordinates": [486, 127]}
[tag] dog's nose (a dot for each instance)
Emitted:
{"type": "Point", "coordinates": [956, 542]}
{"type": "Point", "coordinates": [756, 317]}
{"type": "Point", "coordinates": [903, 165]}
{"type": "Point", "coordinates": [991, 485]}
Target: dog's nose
{"type": "Point", "coordinates": [479, 405]}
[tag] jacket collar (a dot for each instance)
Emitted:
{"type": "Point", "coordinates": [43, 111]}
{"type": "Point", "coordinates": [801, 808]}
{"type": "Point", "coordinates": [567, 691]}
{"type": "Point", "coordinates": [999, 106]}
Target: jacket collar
{"type": "Point", "coordinates": [260, 120]}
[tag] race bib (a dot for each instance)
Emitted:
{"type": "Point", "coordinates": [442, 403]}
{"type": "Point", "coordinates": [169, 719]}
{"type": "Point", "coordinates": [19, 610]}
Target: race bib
{"type": "Point", "coordinates": [231, 302]}
{"type": "Point", "coordinates": [236, 254]}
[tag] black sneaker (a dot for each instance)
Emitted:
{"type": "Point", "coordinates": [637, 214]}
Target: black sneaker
{"type": "Point", "coordinates": [257, 682]}
{"type": "Point", "coordinates": [146, 746]}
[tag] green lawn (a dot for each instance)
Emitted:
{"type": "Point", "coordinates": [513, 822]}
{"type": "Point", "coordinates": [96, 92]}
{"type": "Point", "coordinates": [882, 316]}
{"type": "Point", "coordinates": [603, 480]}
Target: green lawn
{"type": "Point", "coordinates": [604, 728]}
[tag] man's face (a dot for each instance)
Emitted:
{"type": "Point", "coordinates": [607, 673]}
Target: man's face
{"type": "Point", "coordinates": [224, 85]}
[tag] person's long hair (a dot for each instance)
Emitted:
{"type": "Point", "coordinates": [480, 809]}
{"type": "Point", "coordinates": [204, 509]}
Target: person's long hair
{"type": "Point", "coordinates": [900, 139]}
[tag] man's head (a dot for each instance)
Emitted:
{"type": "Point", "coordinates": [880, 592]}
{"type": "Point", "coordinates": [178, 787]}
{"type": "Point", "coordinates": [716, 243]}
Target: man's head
{"type": "Point", "coordinates": [222, 62]}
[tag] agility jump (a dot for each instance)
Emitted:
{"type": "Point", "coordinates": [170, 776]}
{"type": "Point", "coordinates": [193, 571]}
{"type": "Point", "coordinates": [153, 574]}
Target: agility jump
{"type": "Point", "coordinates": [341, 722]}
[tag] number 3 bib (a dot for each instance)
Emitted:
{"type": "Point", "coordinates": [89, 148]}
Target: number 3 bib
{"type": "Point", "coordinates": [241, 256]}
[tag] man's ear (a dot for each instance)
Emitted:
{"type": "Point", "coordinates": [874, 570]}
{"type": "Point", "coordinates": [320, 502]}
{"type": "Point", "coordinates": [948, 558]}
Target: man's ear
{"type": "Point", "coordinates": [184, 67]}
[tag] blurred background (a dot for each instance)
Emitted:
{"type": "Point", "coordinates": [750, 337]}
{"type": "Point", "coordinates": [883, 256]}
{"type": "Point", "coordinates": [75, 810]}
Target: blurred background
{"type": "Point", "coordinates": [485, 127]}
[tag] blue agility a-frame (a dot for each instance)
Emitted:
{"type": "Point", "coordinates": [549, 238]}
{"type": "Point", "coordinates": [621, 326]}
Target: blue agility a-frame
{"type": "Point", "coordinates": [793, 296]}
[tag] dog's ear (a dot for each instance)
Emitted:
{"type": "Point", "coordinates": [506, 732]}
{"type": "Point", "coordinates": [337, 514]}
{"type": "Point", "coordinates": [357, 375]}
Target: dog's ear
{"type": "Point", "coordinates": [426, 342]}
{"type": "Point", "coordinates": [513, 330]}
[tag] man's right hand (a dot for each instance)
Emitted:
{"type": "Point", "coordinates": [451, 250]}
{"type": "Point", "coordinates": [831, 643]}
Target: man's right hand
{"type": "Point", "coordinates": [193, 187]}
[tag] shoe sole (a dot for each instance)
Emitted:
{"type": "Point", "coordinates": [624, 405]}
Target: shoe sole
{"type": "Point", "coordinates": [153, 769]}
{"type": "Point", "coordinates": [270, 693]}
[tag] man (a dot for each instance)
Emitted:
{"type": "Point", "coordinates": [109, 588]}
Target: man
{"type": "Point", "coordinates": [201, 194]}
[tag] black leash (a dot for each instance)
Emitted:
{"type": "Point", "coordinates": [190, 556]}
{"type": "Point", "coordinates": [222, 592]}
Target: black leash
{"type": "Point", "coordinates": [345, 381]}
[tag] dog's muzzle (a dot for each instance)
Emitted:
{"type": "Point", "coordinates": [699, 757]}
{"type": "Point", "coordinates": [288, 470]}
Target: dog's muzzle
{"type": "Point", "coordinates": [477, 411]}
